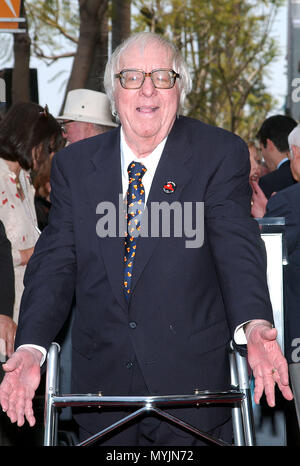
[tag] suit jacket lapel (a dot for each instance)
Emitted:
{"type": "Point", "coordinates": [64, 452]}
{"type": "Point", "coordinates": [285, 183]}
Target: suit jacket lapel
{"type": "Point", "coordinates": [104, 184]}
{"type": "Point", "coordinates": [171, 167]}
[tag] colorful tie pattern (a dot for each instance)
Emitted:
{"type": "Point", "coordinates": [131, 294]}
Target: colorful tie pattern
{"type": "Point", "coordinates": [135, 207]}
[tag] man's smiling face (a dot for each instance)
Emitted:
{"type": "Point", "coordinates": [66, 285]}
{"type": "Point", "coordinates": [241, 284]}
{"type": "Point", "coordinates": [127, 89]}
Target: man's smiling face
{"type": "Point", "coordinates": [146, 112]}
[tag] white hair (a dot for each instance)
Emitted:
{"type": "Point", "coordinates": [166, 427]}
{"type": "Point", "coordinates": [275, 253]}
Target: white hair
{"type": "Point", "coordinates": [294, 139]}
{"type": "Point", "coordinates": [143, 39]}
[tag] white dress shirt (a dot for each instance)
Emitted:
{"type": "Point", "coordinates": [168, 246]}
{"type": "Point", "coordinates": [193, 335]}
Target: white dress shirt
{"type": "Point", "coordinates": [150, 162]}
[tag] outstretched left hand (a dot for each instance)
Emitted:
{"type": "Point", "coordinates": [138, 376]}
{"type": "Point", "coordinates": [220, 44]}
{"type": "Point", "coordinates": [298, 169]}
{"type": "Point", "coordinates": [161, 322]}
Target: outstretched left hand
{"type": "Point", "coordinates": [267, 362]}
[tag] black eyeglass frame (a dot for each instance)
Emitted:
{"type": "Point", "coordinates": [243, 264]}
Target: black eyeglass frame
{"type": "Point", "coordinates": [174, 75]}
{"type": "Point", "coordinates": [63, 123]}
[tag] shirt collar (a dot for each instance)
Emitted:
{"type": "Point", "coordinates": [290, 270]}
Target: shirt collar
{"type": "Point", "coordinates": [150, 162]}
{"type": "Point", "coordinates": [282, 161]}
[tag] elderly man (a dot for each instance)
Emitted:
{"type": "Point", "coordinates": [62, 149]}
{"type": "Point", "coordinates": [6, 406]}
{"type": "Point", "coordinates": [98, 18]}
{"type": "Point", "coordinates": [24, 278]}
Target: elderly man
{"type": "Point", "coordinates": [86, 114]}
{"type": "Point", "coordinates": [155, 311]}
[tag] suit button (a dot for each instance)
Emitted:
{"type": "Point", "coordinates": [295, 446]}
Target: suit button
{"type": "Point", "coordinates": [132, 324]}
{"type": "Point", "coordinates": [129, 365]}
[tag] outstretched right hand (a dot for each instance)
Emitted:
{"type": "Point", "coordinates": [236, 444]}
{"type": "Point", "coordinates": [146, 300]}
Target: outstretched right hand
{"type": "Point", "coordinates": [19, 384]}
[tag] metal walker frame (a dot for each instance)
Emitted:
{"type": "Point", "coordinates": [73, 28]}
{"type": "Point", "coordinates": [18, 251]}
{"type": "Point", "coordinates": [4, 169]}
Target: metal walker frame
{"type": "Point", "coordinates": [239, 396]}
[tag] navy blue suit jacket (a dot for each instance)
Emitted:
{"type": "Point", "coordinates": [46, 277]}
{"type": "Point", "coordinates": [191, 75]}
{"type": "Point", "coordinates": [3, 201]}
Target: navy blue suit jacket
{"type": "Point", "coordinates": [186, 302]}
{"type": "Point", "coordinates": [277, 180]}
{"type": "Point", "coordinates": [286, 204]}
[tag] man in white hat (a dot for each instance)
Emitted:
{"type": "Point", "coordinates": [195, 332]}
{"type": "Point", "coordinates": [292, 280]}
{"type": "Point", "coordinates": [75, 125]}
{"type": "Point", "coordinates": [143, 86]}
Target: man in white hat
{"type": "Point", "coordinates": [86, 114]}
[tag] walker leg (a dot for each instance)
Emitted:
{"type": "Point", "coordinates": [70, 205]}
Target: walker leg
{"type": "Point", "coordinates": [246, 404]}
{"type": "Point", "coordinates": [237, 421]}
{"type": "Point", "coordinates": [50, 421]}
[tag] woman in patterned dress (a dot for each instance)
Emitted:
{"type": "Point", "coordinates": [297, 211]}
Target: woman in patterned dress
{"type": "Point", "coordinates": [28, 137]}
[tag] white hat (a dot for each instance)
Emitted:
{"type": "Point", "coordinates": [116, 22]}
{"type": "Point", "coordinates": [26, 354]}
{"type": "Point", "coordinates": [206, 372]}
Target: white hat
{"type": "Point", "coordinates": [88, 106]}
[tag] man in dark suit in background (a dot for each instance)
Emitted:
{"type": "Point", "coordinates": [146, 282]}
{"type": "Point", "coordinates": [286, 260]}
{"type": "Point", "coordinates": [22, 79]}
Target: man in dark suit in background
{"type": "Point", "coordinates": [157, 309]}
{"type": "Point", "coordinates": [273, 140]}
{"type": "Point", "coordinates": [286, 204]}
{"type": "Point", "coordinates": [86, 113]}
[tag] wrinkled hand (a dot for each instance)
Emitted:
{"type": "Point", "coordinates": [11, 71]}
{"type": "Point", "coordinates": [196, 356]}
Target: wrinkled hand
{"type": "Point", "coordinates": [7, 335]}
{"type": "Point", "coordinates": [267, 362]}
{"type": "Point", "coordinates": [259, 201]}
{"type": "Point", "coordinates": [19, 384]}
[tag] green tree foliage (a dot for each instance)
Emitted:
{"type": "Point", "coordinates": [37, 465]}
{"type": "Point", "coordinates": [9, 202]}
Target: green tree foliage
{"type": "Point", "coordinates": [228, 46]}
{"type": "Point", "coordinates": [54, 27]}
{"type": "Point", "coordinates": [79, 29]}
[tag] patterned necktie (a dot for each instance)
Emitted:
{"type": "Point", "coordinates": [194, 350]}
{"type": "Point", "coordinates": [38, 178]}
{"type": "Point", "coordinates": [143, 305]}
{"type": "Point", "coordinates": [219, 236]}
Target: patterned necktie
{"type": "Point", "coordinates": [135, 207]}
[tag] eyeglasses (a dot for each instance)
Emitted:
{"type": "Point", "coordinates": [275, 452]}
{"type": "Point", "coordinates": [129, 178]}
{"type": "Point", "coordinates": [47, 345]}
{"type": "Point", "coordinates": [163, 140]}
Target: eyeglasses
{"type": "Point", "coordinates": [63, 123]}
{"type": "Point", "coordinates": [134, 79]}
